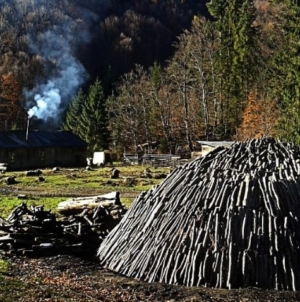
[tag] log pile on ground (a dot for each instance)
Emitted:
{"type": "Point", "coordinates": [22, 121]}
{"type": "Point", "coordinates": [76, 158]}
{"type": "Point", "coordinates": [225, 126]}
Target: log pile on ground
{"type": "Point", "coordinates": [76, 205]}
{"type": "Point", "coordinates": [226, 220]}
{"type": "Point", "coordinates": [36, 232]}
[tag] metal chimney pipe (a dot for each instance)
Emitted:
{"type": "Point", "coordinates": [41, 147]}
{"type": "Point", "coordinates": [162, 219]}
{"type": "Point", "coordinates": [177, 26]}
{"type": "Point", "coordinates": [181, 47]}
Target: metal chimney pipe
{"type": "Point", "coordinates": [27, 128]}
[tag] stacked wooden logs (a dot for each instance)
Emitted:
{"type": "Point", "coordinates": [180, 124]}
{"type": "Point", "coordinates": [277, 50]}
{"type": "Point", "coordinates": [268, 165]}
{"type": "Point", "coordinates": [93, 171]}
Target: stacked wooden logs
{"type": "Point", "coordinates": [227, 220]}
{"type": "Point", "coordinates": [36, 232]}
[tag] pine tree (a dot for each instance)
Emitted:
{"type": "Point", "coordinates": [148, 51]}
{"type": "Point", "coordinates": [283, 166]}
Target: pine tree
{"type": "Point", "coordinates": [93, 121]}
{"type": "Point", "coordinates": [288, 62]}
{"type": "Point", "coordinates": [217, 9]}
{"type": "Point", "coordinates": [73, 113]}
{"type": "Point", "coordinates": [236, 57]}
{"type": "Point", "coordinates": [88, 118]}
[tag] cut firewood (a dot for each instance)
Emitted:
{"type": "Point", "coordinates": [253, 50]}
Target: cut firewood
{"type": "Point", "coordinates": [227, 220]}
{"type": "Point", "coordinates": [37, 232]}
{"type": "Point", "coordinates": [77, 205]}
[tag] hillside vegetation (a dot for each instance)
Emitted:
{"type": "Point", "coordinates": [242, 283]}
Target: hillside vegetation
{"type": "Point", "coordinates": [124, 73]}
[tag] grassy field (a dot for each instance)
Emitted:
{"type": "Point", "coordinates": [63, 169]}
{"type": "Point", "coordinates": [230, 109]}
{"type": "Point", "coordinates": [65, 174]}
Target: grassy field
{"type": "Point", "coordinates": [66, 183]}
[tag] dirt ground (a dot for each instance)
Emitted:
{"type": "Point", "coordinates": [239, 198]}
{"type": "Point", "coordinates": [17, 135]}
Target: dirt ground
{"type": "Point", "coordinates": [72, 278]}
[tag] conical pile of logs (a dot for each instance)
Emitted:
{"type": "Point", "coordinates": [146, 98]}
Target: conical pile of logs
{"type": "Point", "coordinates": [227, 220]}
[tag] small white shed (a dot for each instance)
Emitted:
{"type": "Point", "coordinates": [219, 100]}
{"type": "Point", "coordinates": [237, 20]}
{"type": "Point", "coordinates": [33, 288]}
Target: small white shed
{"type": "Point", "coordinates": [101, 158]}
{"type": "Point", "coordinates": [207, 146]}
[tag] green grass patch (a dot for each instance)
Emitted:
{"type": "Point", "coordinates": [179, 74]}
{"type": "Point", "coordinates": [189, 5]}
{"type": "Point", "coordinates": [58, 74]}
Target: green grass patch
{"type": "Point", "coordinates": [68, 183]}
{"type": "Point", "coordinates": [4, 266]}
{"type": "Point", "coordinates": [8, 203]}
{"type": "Point", "coordinates": [127, 202]}
{"type": "Point", "coordinates": [72, 180]}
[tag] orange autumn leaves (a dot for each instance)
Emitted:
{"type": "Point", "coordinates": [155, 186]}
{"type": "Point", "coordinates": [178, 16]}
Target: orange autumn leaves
{"type": "Point", "coordinates": [12, 114]}
{"type": "Point", "coordinates": [259, 117]}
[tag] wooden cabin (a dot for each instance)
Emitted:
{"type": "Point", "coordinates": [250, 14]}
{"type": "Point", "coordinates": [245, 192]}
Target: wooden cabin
{"type": "Point", "coordinates": [22, 150]}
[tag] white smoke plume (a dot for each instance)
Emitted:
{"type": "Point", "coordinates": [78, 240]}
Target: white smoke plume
{"type": "Point", "coordinates": [47, 101]}
{"type": "Point", "coordinates": [46, 104]}
{"type": "Point", "coordinates": [53, 32]}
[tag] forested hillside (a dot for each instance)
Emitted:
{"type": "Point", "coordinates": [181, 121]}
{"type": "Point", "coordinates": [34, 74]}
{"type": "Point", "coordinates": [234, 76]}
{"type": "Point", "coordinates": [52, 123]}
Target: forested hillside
{"type": "Point", "coordinates": [50, 49]}
{"type": "Point", "coordinates": [134, 72]}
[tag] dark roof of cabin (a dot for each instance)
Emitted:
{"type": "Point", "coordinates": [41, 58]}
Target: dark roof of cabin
{"type": "Point", "coordinates": [17, 139]}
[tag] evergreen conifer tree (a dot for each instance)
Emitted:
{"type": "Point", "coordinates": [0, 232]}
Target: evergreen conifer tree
{"type": "Point", "coordinates": [234, 21]}
{"type": "Point", "coordinates": [87, 117]}
{"type": "Point", "coordinates": [93, 122]}
{"type": "Point", "coordinates": [288, 62]}
{"type": "Point", "coordinates": [73, 113]}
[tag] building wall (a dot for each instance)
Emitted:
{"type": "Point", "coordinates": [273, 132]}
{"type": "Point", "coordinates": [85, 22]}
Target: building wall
{"type": "Point", "coordinates": [206, 150]}
{"type": "Point", "coordinates": [33, 158]}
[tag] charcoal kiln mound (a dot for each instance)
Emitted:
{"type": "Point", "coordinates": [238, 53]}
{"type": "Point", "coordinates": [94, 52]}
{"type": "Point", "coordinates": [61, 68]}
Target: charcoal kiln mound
{"type": "Point", "coordinates": [226, 220]}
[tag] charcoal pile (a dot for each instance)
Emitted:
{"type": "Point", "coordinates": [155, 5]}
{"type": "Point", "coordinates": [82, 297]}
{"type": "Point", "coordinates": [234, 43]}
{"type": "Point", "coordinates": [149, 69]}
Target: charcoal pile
{"type": "Point", "coordinates": [226, 220]}
{"type": "Point", "coordinates": [36, 232]}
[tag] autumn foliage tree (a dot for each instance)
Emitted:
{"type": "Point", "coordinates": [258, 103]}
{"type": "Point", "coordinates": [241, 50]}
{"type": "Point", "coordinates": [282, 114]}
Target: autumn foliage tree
{"type": "Point", "coordinates": [259, 117]}
{"type": "Point", "coordinates": [12, 115]}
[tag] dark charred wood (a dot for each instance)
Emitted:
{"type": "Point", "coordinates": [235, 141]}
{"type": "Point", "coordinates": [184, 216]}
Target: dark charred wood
{"type": "Point", "coordinates": [36, 232]}
{"type": "Point", "coordinates": [229, 219]}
